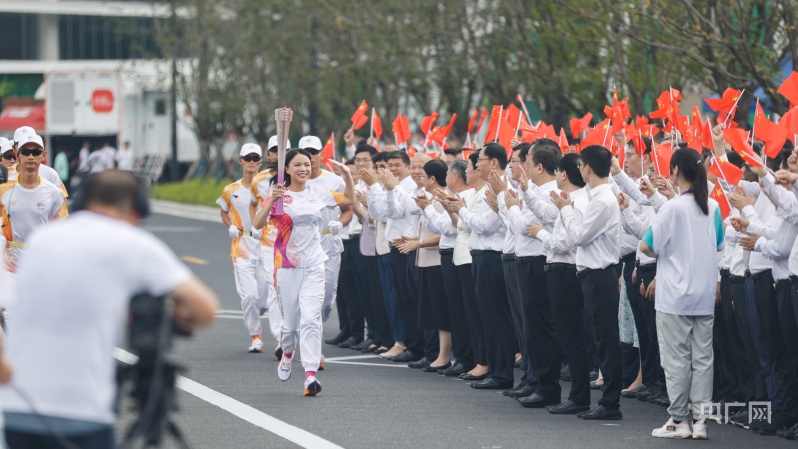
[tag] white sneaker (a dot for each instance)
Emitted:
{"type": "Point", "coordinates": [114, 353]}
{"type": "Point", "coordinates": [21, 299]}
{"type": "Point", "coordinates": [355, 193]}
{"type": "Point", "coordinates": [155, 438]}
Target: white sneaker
{"type": "Point", "coordinates": [257, 345]}
{"type": "Point", "coordinates": [312, 386]}
{"type": "Point", "coordinates": [284, 368]}
{"type": "Point", "coordinates": [700, 429]}
{"type": "Point", "coordinates": [673, 430]}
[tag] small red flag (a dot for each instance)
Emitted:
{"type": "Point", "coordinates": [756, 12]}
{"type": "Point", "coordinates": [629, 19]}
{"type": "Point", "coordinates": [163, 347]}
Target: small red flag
{"type": "Point", "coordinates": [726, 102]}
{"type": "Point", "coordinates": [482, 117]}
{"type": "Point", "coordinates": [494, 123]}
{"type": "Point", "coordinates": [472, 120]}
{"type": "Point", "coordinates": [439, 134]}
{"type": "Point", "coordinates": [579, 125]}
{"type": "Point", "coordinates": [726, 170]}
{"type": "Point", "coordinates": [376, 124]}
{"type": "Point", "coordinates": [614, 114]}
{"type": "Point", "coordinates": [662, 158]}
{"type": "Point", "coordinates": [790, 122]}
{"type": "Point", "coordinates": [594, 137]}
{"type": "Point", "coordinates": [772, 134]}
{"type": "Point", "coordinates": [706, 136]}
{"type": "Point", "coordinates": [719, 196]}
{"type": "Point", "coordinates": [738, 139]}
{"type": "Point", "coordinates": [789, 89]}
{"type": "Point", "coordinates": [359, 118]}
{"type": "Point", "coordinates": [328, 152]}
{"type": "Point", "coordinates": [428, 122]}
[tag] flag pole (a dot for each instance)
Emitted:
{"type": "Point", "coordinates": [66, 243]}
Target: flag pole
{"type": "Point", "coordinates": [371, 124]}
{"type": "Point", "coordinates": [734, 106]}
{"type": "Point", "coordinates": [499, 125]}
{"type": "Point", "coordinates": [609, 126]}
{"type": "Point", "coordinates": [523, 106]}
{"type": "Point", "coordinates": [640, 134]}
{"type": "Point", "coordinates": [656, 159]}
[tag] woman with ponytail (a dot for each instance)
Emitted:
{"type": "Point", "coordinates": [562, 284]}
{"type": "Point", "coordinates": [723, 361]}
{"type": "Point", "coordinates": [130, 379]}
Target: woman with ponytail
{"type": "Point", "coordinates": [685, 236]}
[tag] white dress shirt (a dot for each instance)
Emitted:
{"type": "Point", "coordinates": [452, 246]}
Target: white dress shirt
{"type": "Point", "coordinates": [597, 232]}
{"type": "Point", "coordinates": [539, 209]}
{"type": "Point", "coordinates": [487, 228]}
{"type": "Point", "coordinates": [558, 243]}
{"type": "Point", "coordinates": [461, 254]}
{"type": "Point", "coordinates": [440, 223]}
{"type": "Point", "coordinates": [378, 209]}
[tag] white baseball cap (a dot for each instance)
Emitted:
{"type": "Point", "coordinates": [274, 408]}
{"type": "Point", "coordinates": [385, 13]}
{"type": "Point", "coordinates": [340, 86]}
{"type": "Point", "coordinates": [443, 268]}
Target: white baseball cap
{"type": "Point", "coordinates": [5, 145]}
{"type": "Point", "coordinates": [30, 138]}
{"type": "Point", "coordinates": [273, 143]}
{"type": "Point", "coordinates": [23, 131]}
{"type": "Point", "coordinates": [310, 142]}
{"type": "Point", "coordinates": [249, 148]}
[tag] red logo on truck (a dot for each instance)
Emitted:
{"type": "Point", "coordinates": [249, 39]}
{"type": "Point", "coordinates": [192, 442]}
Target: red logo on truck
{"type": "Point", "coordinates": [102, 101]}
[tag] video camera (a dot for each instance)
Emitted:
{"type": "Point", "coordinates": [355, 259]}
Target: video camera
{"type": "Point", "coordinates": [3, 174]}
{"type": "Point", "coordinates": [150, 336]}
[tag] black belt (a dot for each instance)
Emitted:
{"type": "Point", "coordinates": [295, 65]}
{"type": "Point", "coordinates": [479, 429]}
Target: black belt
{"type": "Point", "coordinates": [528, 259]}
{"type": "Point", "coordinates": [628, 258]}
{"type": "Point", "coordinates": [354, 237]}
{"type": "Point", "coordinates": [647, 267]}
{"type": "Point", "coordinates": [445, 252]}
{"type": "Point", "coordinates": [781, 284]}
{"type": "Point", "coordinates": [725, 272]}
{"type": "Point", "coordinates": [558, 266]}
{"type": "Point", "coordinates": [760, 275]}
{"type": "Point", "coordinates": [482, 252]}
{"type": "Point", "coordinates": [736, 279]}
{"type": "Point", "coordinates": [588, 271]}
{"type": "Point", "coordinates": [508, 257]}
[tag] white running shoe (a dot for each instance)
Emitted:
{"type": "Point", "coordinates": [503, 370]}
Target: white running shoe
{"type": "Point", "coordinates": [284, 368]}
{"type": "Point", "coordinates": [257, 345]}
{"type": "Point", "coordinates": [312, 386]}
{"type": "Point", "coordinates": [673, 430]}
{"type": "Point", "coordinates": [700, 429]}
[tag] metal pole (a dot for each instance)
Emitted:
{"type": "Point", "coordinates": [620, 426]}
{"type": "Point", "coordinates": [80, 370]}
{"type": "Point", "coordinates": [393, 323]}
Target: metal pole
{"type": "Point", "coordinates": [174, 166]}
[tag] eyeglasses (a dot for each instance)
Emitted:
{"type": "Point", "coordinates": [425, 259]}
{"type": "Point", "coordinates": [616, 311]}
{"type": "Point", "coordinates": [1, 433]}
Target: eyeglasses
{"type": "Point", "coordinates": [313, 151]}
{"type": "Point", "coordinates": [580, 165]}
{"type": "Point", "coordinates": [9, 155]}
{"type": "Point", "coordinates": [250, 158]}
{"type": "Point", "coordinates": [27, 152]}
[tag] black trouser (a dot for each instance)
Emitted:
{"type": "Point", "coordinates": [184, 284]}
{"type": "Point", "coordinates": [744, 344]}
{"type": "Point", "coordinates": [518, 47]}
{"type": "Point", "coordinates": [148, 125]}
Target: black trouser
{"type": "Point", "coordinates": [600, 288]}
{"type": "Point", "coordinates": [362, 288]}
{"type": "Point", "coordinates": [514, 297]}
{"type": "Point", "coordinates": [434, 291]}
{"type": "Point", "coordinates": [461, 336]}
{"type": "Point", "coordinates": [103, 439]}
{"type": "Point", "coordinates": [742, 387]}
{"type": "Point", "coordinates": [737, 290]}
{"type": "Point", "coordinates": [382, 327]}
{"type": "Point", "coordinates": [494, 310]}
{"type": "Point", "coordinates": [407, 301]}
{"type": "Point", "coordinates": [645, 275]}
{"type": "Point", "coordinates": [475, 327]}
{"type": "Point", "coordinates": [350, 316]}
{"type": "Point", "coordinates": [540, 337]}
{"type": "Point", "coordinates": [770, 322]}
{"type": "Point", "coordinates": [648, 355]}
{"type": "Point", "coordinates": [567, 306]}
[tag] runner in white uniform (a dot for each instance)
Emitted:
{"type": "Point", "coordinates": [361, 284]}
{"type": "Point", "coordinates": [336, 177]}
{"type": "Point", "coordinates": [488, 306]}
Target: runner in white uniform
{"type": "Point", "coordinates": [299, 260]}
{"type": "Point", "coordinates": [260, 189]}
{"type": "Point", "coordinates": [8, 157]}
{"type": "Point", "coordinates": [245, 249]}
{"type": "Point", "coordinates": [45, 171]}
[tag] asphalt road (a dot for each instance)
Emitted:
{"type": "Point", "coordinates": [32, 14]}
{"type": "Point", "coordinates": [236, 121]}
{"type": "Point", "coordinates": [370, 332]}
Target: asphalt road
{"type": "Point", "coordinates": [366, 402]}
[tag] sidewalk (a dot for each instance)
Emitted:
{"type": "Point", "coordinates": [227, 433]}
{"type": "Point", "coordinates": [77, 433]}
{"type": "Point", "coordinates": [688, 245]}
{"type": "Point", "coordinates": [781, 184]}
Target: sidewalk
{"type": "Point", "coordinates": [192, 211]}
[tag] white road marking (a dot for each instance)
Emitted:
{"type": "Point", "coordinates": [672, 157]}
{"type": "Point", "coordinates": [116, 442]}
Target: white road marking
{"type": "Point", "coordinates": [351, 357]}
{"type": "Point", "coordinates": [250, 414]}
{"type": "Point", "coordinates": [233, 311]}
{"type": "Point", "coordinates": [384, 365]}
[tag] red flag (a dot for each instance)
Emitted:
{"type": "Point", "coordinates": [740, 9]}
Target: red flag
{"type": "Point", "coordinates": [411, 152]}
{"type": "Point", "coordinates": [359, 118]}
{"type": "Point", "coordinates": [428, 122]}
{"type": "Point", "coordinates": [614, 114]}
{"type": "Point", "coordinates": [772, 134]}
{"type": "Point", "coordinates": [719, 196]}
{"type": "Point", "coordinates": [725, 103]}
{"type": "Point", "coordinates": [499, 129]}
{"type": "Point", "coordinates": [562, 141]}
{"type": "Point", "coordinates": [662, 158]}
{"type": "Point", "coordinates": [472, 120]}
{"type": "Point", "coordinates": [440, 134]}
{"type": "Point", "coordinates": [396, 128]}
{"type": "Point", "coordinates": [649, 130]}
{"type": "Point", "coordinates": [726, 170]}
{"type": "Point", "coordinates": [482, 118]}
{"type": "Point", "coordinates": [376, 124]}
{"type": "Point", "coordinates": [641, 121]}
{"type": "Point", "coordinates": [494, 123]}
{"type": "Point", "coordinates": [467, 154]}
{"type": "Point", "coordinates": [706, 136]}
{"type": "Point", "coordinates": [328, 152]}
{"type": "Point", "coordinates": [579, 125]}
{"type": "Point", "coordinates": [789, 89]}
{"type": "Point", "coordinates": [594, 137]}
{"type": "Point", "coordinates": [738, 139]}
{"type": "Point", "coordinates": [790, 122]}
{"type": "Point", "coordinates": [513, 115]}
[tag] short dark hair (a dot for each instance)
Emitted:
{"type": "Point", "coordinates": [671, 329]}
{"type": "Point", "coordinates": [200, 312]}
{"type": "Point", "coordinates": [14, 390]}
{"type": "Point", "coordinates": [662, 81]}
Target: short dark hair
{"type": "Point", "coordinates": [379, 157]}
{"type": "Point", "coordinates": [436, 168]}
{"type": "Point", "coordinates": [350, 162]}
{"type": "Point", "coordinates": [399, 155]}
{"type": "Point", "coordinates": [453, 151]}
{"type": "Point", "coordinates": [522, 149]}
{"type": "Point", "coordinates": [474, 158]}
{"type": "Point", "coordinates": [458, 168]}
{"type": "Point", "coordinates": [598, 158]}
{"type": "Point", "coordinates": [568, 165]}
{"type": "Point", "coordinates": [646, 145]}
{"type": "Point", "coordinates": [547, 154]}
{"type": "Point", "coordinates": [497, 152]}
{"type": "Point", "coordinates": [365, 148]}
{"type": "Point", "coordinates": [735, 159]}
{"type": "Point", "coordinates": [115, 188]}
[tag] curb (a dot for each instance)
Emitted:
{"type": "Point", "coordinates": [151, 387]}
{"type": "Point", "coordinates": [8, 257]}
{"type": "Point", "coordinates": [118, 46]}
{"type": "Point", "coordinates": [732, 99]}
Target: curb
{"type": "Point", "coordinates": [192, 211]}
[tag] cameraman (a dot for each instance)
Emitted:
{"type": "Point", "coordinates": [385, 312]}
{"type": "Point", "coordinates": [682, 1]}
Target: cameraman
{"type": "Point", "coordinates": [69, 320]}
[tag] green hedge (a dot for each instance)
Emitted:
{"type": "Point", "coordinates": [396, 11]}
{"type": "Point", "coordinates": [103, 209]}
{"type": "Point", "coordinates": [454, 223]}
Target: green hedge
{"type": "Point", "coordinates": [190, 192]}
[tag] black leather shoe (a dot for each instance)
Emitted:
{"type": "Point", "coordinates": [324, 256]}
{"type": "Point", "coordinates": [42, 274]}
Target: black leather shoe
{"type": "Point", "coordinates": [490, 384]}
{"type": "Point", "coordinates": [434, 369]}
{"type": "Point", "coordinates": [406, 357]}
{"type": "Point", "coordinates": [537, 401]}
{"type": "Point", "coordinates": [568, 407]}
{"type": "Point", "coordinates": [527, 391]}
{"type": "Point", "coordinates": [379, 350]}
{"type": "Point", "coordinates": [420, 363]}
{"type": "Point", "coordinates": [470, 378]}
{"type": "Point", "coordinates": [594, 375]}
{"type": "Point", "coordinates": [369, 349]}
{"type": "Point", "coordinates": [363, 345]}
{"type": "Point", "coordinates": [453, 371]}
{"type": "Point", "coordinates": [334, 341]}
{"type": "Point", "coordinates": [633, 392]}
{"type": "Point", "coordinates": [594, 385]}
{"type": "Point", "coordinates": [599, 413]}
{"type": "Point", "coordinates": [565, 373]}
{"type": "Point", "coordinates": [514, 389]}
{"type": "Point", "coordinates": [349, 342]}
